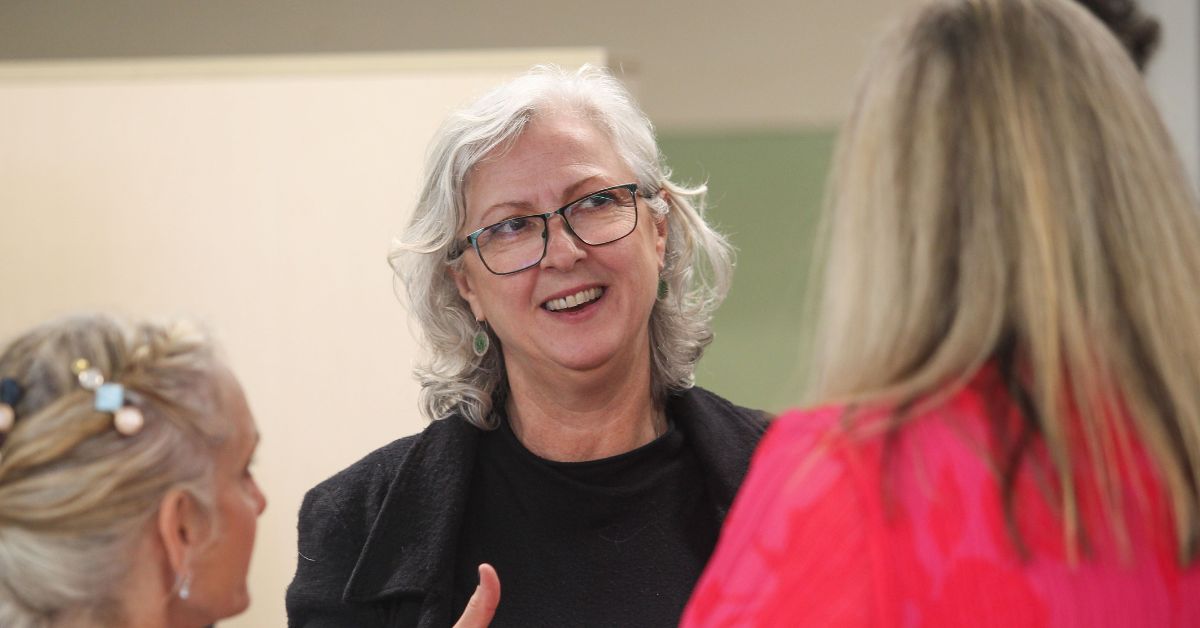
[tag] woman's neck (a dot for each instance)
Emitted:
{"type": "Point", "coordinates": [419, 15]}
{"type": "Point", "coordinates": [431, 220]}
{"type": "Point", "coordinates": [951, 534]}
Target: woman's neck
{"type": "Point", "coordinates": [579, 418]}
{"type": "Point", "coordinates": [136, 617]}
{"type": "Point", "coordinates": [145, 601]}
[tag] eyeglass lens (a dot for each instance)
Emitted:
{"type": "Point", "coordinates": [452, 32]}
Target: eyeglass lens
{"type": "Point", "coordinates": [519, 243]}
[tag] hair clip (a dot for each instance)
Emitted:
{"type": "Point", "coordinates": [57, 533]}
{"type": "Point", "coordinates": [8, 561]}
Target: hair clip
{"type": "Point", "coordinates": [110, 398]}
{"type": "Point", "coordinates": [10, 395]}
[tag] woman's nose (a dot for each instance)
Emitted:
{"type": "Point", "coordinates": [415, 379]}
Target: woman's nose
{"type": "Point", "coordinates": [563, 249]}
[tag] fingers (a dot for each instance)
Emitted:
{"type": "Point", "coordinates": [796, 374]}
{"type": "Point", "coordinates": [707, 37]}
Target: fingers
{"type": "Point", "coordinates": [490, 582]}
{"type": "Point", "coordinates": [482, 605]}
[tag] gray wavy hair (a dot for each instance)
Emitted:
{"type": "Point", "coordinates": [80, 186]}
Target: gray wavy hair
{"type": "Point", "coordinates": [699, 260]}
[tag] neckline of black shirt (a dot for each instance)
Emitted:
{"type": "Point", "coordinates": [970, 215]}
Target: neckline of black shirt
{"type": "Point", "coordinates": [625, 470]}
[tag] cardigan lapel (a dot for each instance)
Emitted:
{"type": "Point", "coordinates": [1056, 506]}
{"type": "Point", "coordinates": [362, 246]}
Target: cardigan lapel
{"type": "Point", "coordinates": [723, 437]}
{"type": "Point", "coordinates": [410, 547]}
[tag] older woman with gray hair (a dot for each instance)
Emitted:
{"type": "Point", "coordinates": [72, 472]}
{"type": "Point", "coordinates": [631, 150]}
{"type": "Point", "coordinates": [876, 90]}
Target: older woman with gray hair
{"type": "Point", "coordinates": [126, 495]}
{"type": "Point", "coordinates": [564, 287]}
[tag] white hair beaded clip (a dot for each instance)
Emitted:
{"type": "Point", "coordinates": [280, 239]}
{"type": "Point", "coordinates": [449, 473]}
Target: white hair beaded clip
{"type": "Point", "coordinates": [110, 397]}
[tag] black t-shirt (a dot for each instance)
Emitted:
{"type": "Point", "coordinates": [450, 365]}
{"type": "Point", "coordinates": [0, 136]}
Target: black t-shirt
{"type": "Point", "coordinates": [614, 542]}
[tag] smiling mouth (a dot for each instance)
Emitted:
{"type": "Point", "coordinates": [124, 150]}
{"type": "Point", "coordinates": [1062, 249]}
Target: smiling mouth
{"type": "Point", "coordinates": [574, 301]}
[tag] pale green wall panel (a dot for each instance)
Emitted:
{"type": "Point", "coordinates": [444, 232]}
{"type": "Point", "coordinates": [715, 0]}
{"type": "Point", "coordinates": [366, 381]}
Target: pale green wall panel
{"type": "Point", "coordinates": [765, 192]}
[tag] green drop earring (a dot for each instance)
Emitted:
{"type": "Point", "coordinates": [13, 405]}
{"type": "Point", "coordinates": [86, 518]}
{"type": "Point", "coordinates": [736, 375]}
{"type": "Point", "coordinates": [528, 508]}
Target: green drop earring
{"type": "Point", "coordinates": [480, 341]}
{"type": "Point", "coordinates": [663, 288]}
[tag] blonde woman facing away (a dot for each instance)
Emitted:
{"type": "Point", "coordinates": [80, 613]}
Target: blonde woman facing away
{"type": "Point", "coordinates": [126, 497]}
{"type": "Point", "coordinates": [1009, 351]}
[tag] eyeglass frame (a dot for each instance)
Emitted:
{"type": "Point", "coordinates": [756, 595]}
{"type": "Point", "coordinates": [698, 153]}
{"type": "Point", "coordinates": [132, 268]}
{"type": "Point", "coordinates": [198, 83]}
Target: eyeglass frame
{"type": "Point", "coordinates": [472, 239]}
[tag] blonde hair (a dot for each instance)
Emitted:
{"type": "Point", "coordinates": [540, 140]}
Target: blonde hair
{"type": "Point", "coordinates": [699, 261]}
{"type": "Point", "coordinates": [75, 495]}
{"type": "Point", "coordinates": [1005, 190]}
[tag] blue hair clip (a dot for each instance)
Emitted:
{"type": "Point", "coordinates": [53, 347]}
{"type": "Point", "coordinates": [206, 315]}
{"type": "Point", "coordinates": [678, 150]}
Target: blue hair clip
{"type": "Point", "coordinates": [10, 395]}
{"type": "Point", "coordinates": [110, 398]}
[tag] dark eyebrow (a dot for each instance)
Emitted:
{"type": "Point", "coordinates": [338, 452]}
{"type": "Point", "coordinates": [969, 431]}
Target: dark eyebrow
{"type": "Point", "coordinates": [572, 192]}
{"type": "Point", "coordinates": [569, 194]}
{"type": "Point", "coordinates": [491, 215]}
{"type": "Point", "coordinates": [522, 206]}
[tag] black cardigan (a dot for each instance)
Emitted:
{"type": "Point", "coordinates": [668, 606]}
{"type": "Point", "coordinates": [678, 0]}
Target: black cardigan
{"type": "Point", "coordinates": [377, 540]}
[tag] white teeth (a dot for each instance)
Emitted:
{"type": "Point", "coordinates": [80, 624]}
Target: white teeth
{"type": "Point", "coordinates": [579, 298]}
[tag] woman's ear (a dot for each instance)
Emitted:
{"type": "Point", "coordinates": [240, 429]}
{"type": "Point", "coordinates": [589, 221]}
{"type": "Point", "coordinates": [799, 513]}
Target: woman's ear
{"type": "Point", "coordinates": [467, 292]}
{"type": "Point", "coordinates": [662, 227]}
{"type": "Point", "coordinates": [183, 526]}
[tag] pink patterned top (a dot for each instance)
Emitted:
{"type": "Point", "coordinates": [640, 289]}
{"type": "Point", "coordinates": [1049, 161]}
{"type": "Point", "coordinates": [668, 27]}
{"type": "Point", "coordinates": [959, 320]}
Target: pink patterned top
{"type": "Point", "coordinates": [834, 529]}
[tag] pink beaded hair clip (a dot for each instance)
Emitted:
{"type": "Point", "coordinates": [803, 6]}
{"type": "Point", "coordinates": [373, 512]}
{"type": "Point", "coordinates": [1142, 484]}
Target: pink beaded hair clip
{"type": "Point", "coordinates": [110, 397]}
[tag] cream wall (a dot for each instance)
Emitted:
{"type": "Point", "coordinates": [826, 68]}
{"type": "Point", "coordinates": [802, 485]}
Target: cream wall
{"type": "Point", "coordinates": [697, 66]}
{"type": "Point", "coordinates": [258, 195]}
{"type": "Point", "coordinates": [1174, 76]}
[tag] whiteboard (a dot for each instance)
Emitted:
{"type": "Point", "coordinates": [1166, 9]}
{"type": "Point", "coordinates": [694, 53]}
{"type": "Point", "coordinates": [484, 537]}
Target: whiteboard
{"type": "Point", "coordinates": [259, 196]}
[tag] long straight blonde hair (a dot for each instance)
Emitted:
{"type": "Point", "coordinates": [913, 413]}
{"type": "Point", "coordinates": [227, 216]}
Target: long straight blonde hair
{"type": "Point", "coordinates": [1005, 191]}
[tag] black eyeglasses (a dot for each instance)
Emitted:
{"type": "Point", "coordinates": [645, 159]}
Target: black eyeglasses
{"type": "Point", "coordinates": [516, 244]}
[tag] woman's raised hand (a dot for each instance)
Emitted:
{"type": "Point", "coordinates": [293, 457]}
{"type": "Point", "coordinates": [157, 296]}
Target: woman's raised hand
{"type": "Point", "coordinates": [482, 605]}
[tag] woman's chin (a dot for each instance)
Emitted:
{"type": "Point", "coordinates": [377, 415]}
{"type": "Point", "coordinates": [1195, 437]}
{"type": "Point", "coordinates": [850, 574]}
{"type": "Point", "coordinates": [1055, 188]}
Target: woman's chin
{"type": "Point", "coordinates": [236, 605]}
{"type": "Point", "coordinates": [592, 355]}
